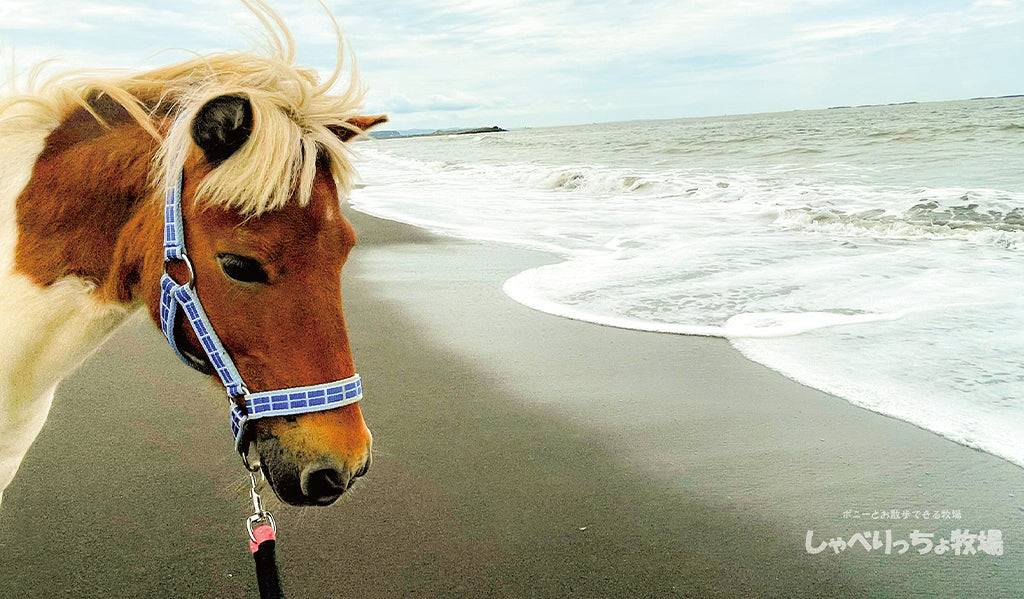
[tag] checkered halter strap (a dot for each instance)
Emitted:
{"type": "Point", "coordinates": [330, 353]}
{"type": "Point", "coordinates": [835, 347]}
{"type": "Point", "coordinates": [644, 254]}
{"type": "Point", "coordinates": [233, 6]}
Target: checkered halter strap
{"type": "Point", "coordinates": [246, 406]}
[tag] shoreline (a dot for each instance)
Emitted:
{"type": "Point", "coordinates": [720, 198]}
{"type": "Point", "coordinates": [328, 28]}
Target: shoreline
{"type": "Point", "coordinates": [517, 454]}
{"type": "Point", "coordinates": [511, 289]}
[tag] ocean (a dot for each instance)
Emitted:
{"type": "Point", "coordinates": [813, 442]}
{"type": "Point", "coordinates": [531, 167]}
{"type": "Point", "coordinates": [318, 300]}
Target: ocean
{"type": "Point", "coordinates": [875, 253]}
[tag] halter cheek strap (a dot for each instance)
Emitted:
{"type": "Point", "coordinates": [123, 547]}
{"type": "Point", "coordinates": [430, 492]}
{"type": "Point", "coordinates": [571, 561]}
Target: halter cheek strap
{"type": "Point", "coordinates": [247, 406]}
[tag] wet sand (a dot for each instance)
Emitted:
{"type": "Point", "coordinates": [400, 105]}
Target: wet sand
{"type": "Point", "coordinates": [517, 455]}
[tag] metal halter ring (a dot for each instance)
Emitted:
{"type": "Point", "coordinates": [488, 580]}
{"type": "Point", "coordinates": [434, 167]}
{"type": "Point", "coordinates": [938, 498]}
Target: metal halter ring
{"type": "Point", "coordinates": [252, 467]}
{"type": "Point", "coordinates": [188, 264]}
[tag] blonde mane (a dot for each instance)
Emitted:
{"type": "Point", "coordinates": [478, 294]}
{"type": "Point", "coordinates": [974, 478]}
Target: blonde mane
{"type": "Point", "coordinates": [293, 116]}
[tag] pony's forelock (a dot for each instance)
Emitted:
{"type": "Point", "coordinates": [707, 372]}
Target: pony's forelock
{"type": "Point", "coordinates": [292, 120]}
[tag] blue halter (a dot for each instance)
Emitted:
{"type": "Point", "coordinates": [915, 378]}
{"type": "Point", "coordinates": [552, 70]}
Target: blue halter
{"type": "Point", "coordinates": [282, 402]}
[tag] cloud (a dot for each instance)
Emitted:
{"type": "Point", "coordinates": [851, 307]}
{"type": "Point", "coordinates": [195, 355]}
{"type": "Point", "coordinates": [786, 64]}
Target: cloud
{"type": "Point", "coordinates": [454, 101]}
{"type": "Point", "coordinates": [902, 27]}
{"type": "Point", "coordinates": [847, 29]}
{"type": "Point", "coordinates": [58, 15]}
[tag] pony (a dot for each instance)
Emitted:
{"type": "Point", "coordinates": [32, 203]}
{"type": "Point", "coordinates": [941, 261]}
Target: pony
{"type": "Point", "coordinates": [258, 144]}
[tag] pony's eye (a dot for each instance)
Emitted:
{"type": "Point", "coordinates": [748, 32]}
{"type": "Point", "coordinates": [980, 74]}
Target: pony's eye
{"type": "Point", "coordinates": [242, 269]}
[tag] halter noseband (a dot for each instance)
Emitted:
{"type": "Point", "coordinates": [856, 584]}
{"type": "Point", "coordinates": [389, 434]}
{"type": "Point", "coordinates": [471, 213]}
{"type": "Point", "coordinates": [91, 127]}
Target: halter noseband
{"type": "Point", "coordinates": [246, 406]}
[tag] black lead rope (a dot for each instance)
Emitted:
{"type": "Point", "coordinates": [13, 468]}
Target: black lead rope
{"type": "Point", "coordinates": [266, 571]}
{"type": "Point", "coordinates": [262, 543]}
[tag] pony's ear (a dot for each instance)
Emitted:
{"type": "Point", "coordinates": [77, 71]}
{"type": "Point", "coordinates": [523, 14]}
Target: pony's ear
{"type": "Point", "coordinates": [357, 126]}
{"type": "Point", "coordinates": [222, 126]}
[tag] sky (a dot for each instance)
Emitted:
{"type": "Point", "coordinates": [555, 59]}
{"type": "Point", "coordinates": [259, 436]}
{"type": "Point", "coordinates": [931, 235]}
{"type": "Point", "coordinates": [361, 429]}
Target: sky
{"type": "Point", "coordinates": [533, 63]}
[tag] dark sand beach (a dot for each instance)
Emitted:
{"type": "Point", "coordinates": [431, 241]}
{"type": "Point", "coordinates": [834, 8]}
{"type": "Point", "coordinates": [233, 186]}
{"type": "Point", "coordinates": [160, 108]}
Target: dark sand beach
{"type": "Point", "coordinates": [517, 454]}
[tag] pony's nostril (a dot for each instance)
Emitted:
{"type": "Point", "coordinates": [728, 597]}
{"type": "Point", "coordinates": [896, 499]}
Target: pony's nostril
{"type": "Point", "coordinates": [324, 484]}
{"type": "Point", "coordinates": [362, 469]}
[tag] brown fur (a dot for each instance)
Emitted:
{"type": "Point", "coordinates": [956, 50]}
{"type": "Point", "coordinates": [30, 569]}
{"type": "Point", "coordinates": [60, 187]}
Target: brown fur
{"type": "Point", "coordinates": [87, 183]}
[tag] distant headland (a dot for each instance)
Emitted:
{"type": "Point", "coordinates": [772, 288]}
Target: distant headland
{"type": "Point", "coordinates": [909, 103]}
{"type": "Point", "coordinates": [432, 132]}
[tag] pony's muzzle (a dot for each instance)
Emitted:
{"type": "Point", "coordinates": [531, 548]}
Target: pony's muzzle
{"type": "Point", "coordinates": [324, 482]}
{"type": "Point", "coordinates": [304, 478]}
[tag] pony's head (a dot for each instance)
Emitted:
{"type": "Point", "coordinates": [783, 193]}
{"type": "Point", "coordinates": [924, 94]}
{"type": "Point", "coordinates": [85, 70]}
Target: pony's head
{"type": "Point", "coordinates": [267, 242]}
{"type": "Point", "coordinates": [260, 148]}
